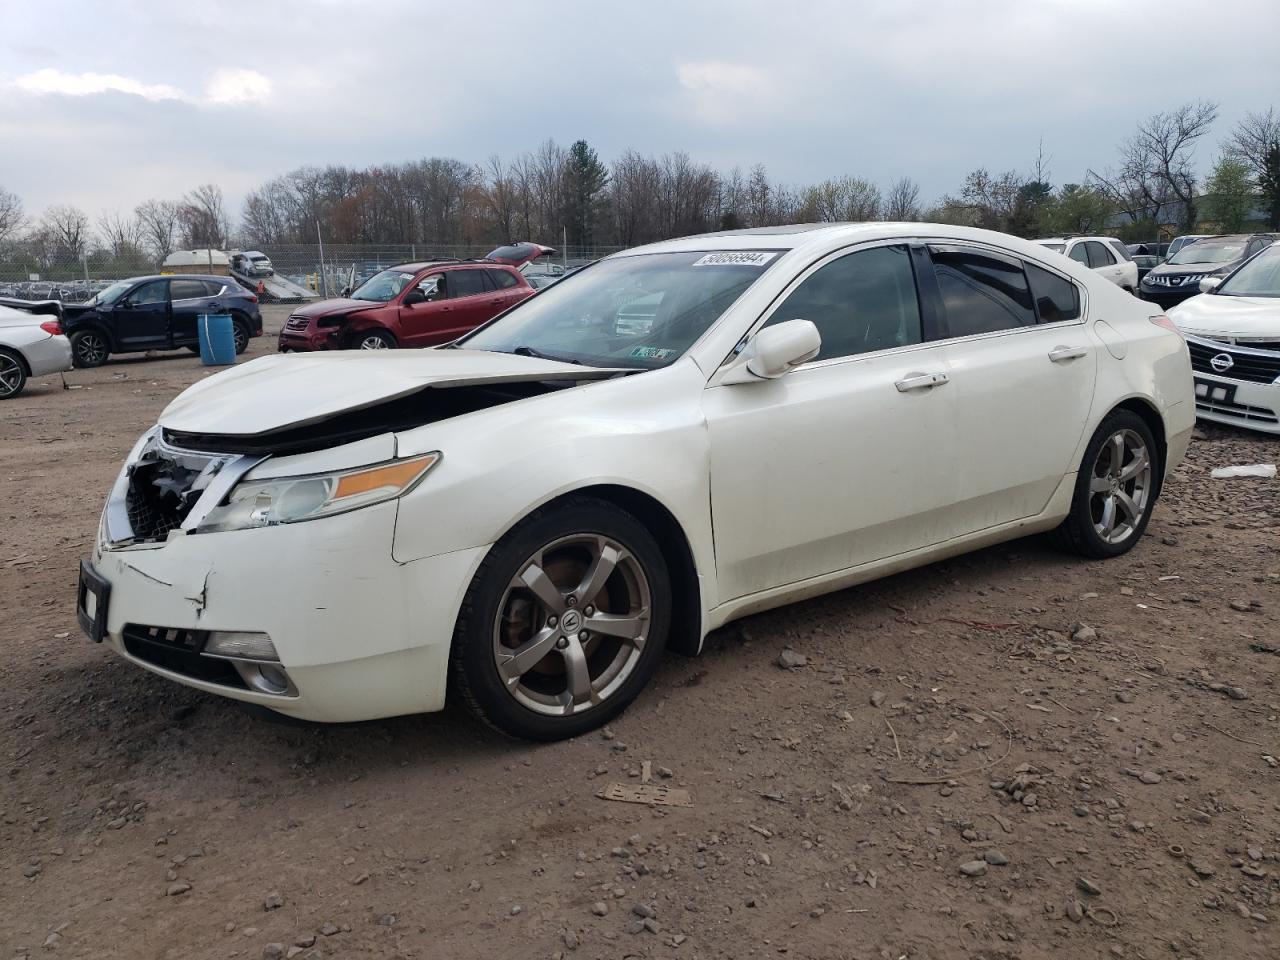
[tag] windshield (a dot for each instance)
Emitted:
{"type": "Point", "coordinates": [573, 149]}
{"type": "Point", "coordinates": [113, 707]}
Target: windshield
{"type": "Point", "coordinates": [1260, 277]}
{"type": "Point", "coordinates": [1055, 247]}
{"type": "Point", "coordinates": [383, 287]}
{"type": "Point", "coordinates": [641, 311]}
{"type": "Point", "coordinates": [111, 294]}
{"type": "Point", "coordinates": [1209, 251]}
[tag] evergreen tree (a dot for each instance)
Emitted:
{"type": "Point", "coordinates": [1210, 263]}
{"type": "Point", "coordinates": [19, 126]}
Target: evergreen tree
{"type": "Point", "coordinates": [585, 181]}
{"type": "Point", "coordinates": [1269, 185]}
{"type": "Point", "coordinates": [1230, 194]}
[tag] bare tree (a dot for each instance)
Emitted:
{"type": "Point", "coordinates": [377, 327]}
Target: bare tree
{"type": "Point", "coordinates": [1156, 163]}
{"type": "Point", "coordinates": [122, 234]}
{"type": "Point", "coordinates": [203, 217]}
{"type": "Point", "coordinates": [902, 203]}
{"type": "Point", "coordinates": [1254, 136]}
{"type": "Point", "coordinates": [12, 219]}
{"type": "Point", "coordinates": [67, 228]}
{"type": "Point", "coordinates": [842, 199]}
{"type": "Point", "coordinates": [158, 220]}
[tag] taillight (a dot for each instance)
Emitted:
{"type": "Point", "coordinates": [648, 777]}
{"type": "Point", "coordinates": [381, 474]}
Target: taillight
{"type": "Point", "coordinates": [52, 326]}
{"type": "Point", "coordinates": [252, 298]}
{"type": "Point", "coordinates": [1160, 320]}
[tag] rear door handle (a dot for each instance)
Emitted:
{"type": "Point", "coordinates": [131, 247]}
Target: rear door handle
{"type": "Point", "coordinates": [1063, 354]}
{"type": "Point", "coordinates": [921, 381]}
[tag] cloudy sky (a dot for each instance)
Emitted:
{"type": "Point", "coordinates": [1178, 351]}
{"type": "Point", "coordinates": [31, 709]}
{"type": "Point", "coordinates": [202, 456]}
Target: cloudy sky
{"type": "Point", "coordinates": [104, 103]}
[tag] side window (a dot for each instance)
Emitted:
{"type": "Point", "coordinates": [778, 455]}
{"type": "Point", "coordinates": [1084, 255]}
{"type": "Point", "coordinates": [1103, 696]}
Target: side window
{"type": "Point", "coordinates": [1099, 256]}
{"type": "Point", "coordinates": [157, 291]}
{"type": "Point", "coordinates": [1121, 250]}
{"type": "Point", "coordinates": [1080, 253]}
{"type": "Point", "coordinates": [432, 286]}
{"type": "Point", "coordinates": [466, 283]}
{"type": "Point", "coordinates": [862, 302]}
{"type": "Point", "coordinates": [187, 289]}
{"type": "Point", "coordinates": [1056, 298]}
{"type": "Point", "coordinates": [502, 279]}
{"type": "Point", "coordinates": [981, 293]}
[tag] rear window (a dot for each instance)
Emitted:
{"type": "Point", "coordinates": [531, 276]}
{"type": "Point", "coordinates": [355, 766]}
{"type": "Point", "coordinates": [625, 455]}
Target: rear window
{"type": "Point", "coordinates": [981, 293]}
{"type": "Point", "coordinates": [1121, 249]}
{"type": "Point", "coordinates": [187, 289]}
{"type": "Point", "coordinates": [502, 279]}
{"type": "Point", "coordinates": [1056, 298]}
{"type": "Point", "coordinates": [466, 283]}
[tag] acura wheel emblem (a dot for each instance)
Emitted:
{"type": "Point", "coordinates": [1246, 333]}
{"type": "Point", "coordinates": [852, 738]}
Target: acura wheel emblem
{"type": "Point", "coordinates": [1222, 362]}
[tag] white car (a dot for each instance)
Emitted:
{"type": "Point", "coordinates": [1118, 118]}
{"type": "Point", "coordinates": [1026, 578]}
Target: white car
{"type": "Point", "coordinates": [31, 345]}
{"type": "Point", "coordinates": [1104, 255]}
{"type": "Point", "coordinates": [532, 515]}
{"type": "Point", "coordinates": [1233, 333]}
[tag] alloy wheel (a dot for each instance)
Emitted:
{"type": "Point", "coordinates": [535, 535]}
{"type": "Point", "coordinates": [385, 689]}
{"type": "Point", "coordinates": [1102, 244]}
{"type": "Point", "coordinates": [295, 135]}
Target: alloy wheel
{"type": "Point", "coordinates": [11, 375]}
{"type": "Point", "coordinates": [572, 624]}
{"type": "Point", "coordinates": [91, 349]}
{"type": "Point", "coordinates": [373, 342]}
{"type": "Point", "coordinates": [1120, 486]}
{"type": "Point", "coordinates": [242, 338]}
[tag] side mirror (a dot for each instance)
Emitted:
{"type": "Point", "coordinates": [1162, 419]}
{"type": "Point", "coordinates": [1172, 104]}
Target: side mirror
{"type": "Point", "coordinates": [774, 351]}
{"type": "Point", "coordinates": [346, 291]}
{"type": "Point", "coordinates": [1210, 284]}
{"type": "Point", "coordinates": [414, 296]}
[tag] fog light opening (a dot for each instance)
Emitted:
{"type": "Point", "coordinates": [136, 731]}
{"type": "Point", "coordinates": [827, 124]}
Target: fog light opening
{"type": "Point", "coordinates": [266, 678]}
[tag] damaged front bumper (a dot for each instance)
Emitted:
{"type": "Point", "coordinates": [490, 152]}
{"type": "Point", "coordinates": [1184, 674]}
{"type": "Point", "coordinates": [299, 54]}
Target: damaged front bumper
{"type": "Point", "coordinates": [354, 634]}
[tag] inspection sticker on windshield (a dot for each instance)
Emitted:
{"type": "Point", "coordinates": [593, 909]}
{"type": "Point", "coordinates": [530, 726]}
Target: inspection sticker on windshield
{"type": "Point", "coordinates": [735, 258]}
{"type": "Point", "coordinates": [651, 353]}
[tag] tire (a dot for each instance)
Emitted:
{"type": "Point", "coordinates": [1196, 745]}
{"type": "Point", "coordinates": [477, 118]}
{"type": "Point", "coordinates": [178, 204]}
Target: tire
{"type": "Point", "coordinates": [1094, 529]}
{"type": "Point", "coordinates": [240, 331]}
{"type": "Point", "coordinates": [559, 549]}
{"type": "Point", "coordinates": [13, 374]}
{"type": "Point", "coordinates": [373, 340]}
{"type": "Point", "coordinates": [89, 348]}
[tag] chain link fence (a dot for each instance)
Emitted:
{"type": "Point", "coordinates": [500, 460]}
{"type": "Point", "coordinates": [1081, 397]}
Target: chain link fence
{"type": "Point", "coordinates": [69, 276]}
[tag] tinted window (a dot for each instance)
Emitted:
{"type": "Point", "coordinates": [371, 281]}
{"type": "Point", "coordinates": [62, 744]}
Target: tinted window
{"type": "Point", "coordinates": [1056, 298]}
{"type": "Point", "coordinates": [1099, 256]}
{"type": "Point", "coordinates": [157, 291]}
{"type": "Point", "coordinates": [1080, 253]}
{"type": "Point", "coordinates": [981, 293]}
{"type": "Point", "coordinates": [188, 289]}
{"type": "Point", "coordinates": [466, 283]}
{"type": "Point", "coordinates": [862, 302]}
{"type": "Point", "coordinates": [501, 279]}
{"type": "Point", "coordinates": [433, 286]}
{"type": "Point", "coordinates": [1120, 249]}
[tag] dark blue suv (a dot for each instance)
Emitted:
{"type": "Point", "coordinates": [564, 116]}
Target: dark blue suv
{"type": "Point", "coordinates": [156, 313]}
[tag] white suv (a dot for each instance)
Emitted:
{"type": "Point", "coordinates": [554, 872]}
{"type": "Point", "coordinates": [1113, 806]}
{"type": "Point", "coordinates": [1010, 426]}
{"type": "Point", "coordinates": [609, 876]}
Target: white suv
{"type": "Point", "coordinates": [1105, 255]}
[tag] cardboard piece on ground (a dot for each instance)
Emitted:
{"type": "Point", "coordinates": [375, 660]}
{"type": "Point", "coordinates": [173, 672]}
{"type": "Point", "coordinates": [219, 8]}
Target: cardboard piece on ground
{"type": "Point", "coordinates": [653, 794]}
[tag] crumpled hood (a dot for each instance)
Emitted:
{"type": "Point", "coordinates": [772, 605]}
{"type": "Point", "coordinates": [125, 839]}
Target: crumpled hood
{"type": "Point", "coordinates": [1215, 315]}
{"type": "Point", "coordinates": [1182, 269]}
{"type": "Point", "coordinates": [327, 308]}
{"type": "Point", "coordinates": [291, 390]}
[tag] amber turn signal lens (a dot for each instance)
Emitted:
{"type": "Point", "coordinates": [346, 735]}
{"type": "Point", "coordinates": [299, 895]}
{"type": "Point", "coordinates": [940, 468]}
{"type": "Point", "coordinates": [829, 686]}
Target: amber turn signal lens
{"type": "Point", "coordinates": [394, 476]}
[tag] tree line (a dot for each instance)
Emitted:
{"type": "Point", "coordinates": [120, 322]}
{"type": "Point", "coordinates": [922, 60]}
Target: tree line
{"type": "Point", "coordinates": [554, 192]}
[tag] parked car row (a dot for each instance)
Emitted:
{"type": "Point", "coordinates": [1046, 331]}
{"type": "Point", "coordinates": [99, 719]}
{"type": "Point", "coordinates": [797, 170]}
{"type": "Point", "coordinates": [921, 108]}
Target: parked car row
{"type": "Point", "coordinates": [1178, 278]}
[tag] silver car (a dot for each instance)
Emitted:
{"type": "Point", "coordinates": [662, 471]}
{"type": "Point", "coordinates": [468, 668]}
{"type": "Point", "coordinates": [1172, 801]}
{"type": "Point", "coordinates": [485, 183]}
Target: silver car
{"type": "Point", "coordinates": [31, 345]}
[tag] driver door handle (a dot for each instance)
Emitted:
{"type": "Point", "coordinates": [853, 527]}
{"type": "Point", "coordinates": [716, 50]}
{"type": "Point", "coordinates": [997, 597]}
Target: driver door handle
{"type": "Point", "coordinates": [921, 381]}
{"type": "Point", "coordinates": [1063, 354]}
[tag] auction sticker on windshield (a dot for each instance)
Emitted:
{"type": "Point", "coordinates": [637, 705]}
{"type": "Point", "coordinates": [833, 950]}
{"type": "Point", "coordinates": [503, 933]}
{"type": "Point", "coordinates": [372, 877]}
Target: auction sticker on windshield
{"type": "Point", "coordinates": [651, 353]}
{"type": "Point", "coordinates": [735, 258]}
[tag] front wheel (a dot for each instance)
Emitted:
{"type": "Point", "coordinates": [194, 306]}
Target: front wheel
{"type": "Point", "coordinates": [89, 349]}
{"type": "Point", "coordinates": [564, 623]}
{"type": "Point", "coordinates": [374, 340]}
{"type": "Point", "coordinates": [1116, 489]}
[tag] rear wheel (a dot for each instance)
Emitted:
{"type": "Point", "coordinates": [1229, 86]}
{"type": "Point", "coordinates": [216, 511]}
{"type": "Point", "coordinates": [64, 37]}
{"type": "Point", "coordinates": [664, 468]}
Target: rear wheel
{"type": "Point", "coordinates": [564, 623]}
{"type": "Point", "coordinates": [374, 340]}
{"type": "Point", "coordinates": [1116, 489]}
{"type": "Point", "coordinates": [241, 334]}
{"type": "Point", "coordinates": [13, 374]}
{"type": "Point", "coordinates": [89, 348]}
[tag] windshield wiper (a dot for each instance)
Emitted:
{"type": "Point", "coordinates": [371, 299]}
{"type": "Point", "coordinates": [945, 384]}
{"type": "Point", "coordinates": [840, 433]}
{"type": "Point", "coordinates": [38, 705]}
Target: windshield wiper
{"type": "Point", "coordinates": [523, 351]}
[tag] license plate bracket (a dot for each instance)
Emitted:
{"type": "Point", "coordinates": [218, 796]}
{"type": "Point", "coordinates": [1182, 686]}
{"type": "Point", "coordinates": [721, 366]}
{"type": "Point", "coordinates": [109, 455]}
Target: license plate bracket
{"type": "Point", "coordinates": [92, 595]}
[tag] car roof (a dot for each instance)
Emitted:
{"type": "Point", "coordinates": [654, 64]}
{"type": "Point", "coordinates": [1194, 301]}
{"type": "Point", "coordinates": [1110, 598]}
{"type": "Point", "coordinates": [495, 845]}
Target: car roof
{"type": "Point", "coordinates": [178, 276]}
{"type": "Point", "coordinates": [445, 262]}
{"type": "Point", "coordinates": [800, 236]}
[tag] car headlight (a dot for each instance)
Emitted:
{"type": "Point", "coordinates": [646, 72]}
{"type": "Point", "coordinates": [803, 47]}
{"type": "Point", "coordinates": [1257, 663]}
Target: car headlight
{"type": "Point", "coordinates": [264, 503]}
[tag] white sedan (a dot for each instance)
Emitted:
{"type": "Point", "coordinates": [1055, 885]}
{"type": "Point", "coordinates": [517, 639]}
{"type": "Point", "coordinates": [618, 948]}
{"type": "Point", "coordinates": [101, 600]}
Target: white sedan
{"type": "Point", "coordinates": [533, 515]}
{"type": "Point", "coordinates": [1233, 333]}
{"type": "Point", "coordinates": [31, 345]}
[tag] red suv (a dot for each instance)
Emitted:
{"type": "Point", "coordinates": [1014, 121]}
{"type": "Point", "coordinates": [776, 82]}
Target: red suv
{"type": "Point", "coordinates": [415, 304]}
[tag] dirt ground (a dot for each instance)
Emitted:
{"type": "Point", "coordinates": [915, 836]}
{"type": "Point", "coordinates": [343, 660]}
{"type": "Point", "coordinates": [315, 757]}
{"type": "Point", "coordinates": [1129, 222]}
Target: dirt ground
{"type": "Point", "coordinates": [1097, 743]}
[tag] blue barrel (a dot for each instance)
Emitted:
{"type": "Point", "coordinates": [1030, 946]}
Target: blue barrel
{"type": "Point", "coordinates": [217, 339]}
